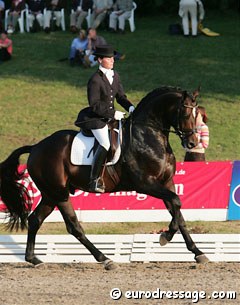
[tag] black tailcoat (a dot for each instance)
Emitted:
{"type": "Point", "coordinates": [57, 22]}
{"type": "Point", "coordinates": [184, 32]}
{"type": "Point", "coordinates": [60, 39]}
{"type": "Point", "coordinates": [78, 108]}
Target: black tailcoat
{"type": "Point", "coordinates": [101, 96]}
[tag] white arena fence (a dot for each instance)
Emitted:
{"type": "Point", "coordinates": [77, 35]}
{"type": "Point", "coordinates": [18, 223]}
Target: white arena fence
{"type": "Point", "coordinates": [121, 248]}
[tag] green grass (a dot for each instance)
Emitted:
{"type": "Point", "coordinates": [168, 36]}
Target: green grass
{"type": "Point", "coordinates": [196, 227]}
{"type": "Point", "coordinates": [40, 95]}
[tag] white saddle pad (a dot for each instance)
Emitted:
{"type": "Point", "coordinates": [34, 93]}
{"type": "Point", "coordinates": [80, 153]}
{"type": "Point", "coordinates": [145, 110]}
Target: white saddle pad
{"type": "Point", "coordinates": [82, 152]}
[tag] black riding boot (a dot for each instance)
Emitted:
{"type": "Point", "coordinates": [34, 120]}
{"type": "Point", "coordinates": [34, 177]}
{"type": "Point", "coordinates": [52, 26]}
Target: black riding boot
{"type": "Point", "coordinates": [95, 184]}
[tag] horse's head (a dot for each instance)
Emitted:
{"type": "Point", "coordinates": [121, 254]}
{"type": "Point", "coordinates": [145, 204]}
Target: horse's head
{"type": "Point", "coordinates": [187, 119]}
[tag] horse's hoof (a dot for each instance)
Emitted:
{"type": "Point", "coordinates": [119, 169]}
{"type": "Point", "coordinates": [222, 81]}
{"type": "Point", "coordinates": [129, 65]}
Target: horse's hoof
{"type": "Point", "coordinates": [163, 239]}
{"type": "Point", "coordinates": [202, 259]}
{"type": "Point", "coordinates": [35, 261]}
{"type": "Point", "coordinates": [109, 265]}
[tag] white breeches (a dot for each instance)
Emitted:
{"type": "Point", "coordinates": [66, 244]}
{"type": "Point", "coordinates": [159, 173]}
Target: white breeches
{"type": "Point", "coordinates": [113, 18]}
{"type": "Point", "coordinates": [189, 7]}
{"type": "Point", "coordinates": [102, 136]}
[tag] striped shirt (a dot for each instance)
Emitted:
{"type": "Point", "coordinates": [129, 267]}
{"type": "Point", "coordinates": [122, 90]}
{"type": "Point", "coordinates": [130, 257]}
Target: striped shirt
{"type": "Point", "coordinates": [203, 139]}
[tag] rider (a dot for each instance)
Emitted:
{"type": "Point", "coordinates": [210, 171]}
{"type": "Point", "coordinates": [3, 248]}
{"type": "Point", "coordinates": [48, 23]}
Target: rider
{"type": "Point", "coordinates": [103, 87]}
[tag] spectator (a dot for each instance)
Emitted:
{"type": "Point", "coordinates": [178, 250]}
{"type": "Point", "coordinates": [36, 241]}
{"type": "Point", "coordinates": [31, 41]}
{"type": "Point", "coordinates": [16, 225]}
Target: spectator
{"type": "Point", "coordinates": [5, 47]}
{"type": "Point", "coordinates": [78, 48]}
{"type": "Point", "coordinates": [94, 41]}
{"type": "Point", "coordinates": [198, 153]}
{"type": "Point", "coordinates": [35, 8]}
{"type": "Point", "coordinates": [190, 7]}
{"type": "Point", "coordinates": [121, 12]}
{"type": "Point", "coordinates": [14, 13]}
{"type": "Point", "coordinates": [53, 9]}
{"type": "Point", "coordinates": [103, 87]}
{"type": "Point", "coordinates": [2, 9]}
{"type": "Point", "coordinates": [100, 10]}
{"type": "Point", "coordinates": [79, 13]}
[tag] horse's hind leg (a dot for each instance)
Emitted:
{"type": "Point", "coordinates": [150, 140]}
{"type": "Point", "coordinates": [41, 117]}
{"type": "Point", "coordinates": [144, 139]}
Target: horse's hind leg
{"type": "Point", "coordinates": [35, 220]}
{"type": "Point", "coordinates": [74, 228]}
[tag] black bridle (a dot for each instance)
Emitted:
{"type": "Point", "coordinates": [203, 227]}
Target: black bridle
{"type": "Point", "coordinates": [184, 133]}
{"type": "Point", "coordinates": [178, 130]}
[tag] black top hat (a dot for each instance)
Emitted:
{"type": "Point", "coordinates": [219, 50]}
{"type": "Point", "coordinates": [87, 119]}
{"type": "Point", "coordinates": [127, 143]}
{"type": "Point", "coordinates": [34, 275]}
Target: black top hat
{"type": "Point", "coordinates": [104, 51]}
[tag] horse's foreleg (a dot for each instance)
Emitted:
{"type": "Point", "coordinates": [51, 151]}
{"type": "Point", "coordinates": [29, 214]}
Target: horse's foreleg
{"type": "Point", "coordinates": [173, 204]}
{"type": "Point", "coordinates": [191, 246]}
{"type": "Point", "coordinates": [74, 228]}
{"type": "Point", "coordinates": [174, 209]}
{"type": "Point", "coordinates": [34, 222]}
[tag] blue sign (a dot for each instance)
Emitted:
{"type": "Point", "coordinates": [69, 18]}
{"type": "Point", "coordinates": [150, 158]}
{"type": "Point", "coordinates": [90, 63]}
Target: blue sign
{"type": "Point", "coordinates": [234, 200]}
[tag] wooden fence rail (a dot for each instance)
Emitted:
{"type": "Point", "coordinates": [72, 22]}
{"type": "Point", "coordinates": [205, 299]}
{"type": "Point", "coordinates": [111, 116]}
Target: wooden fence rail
{"type": "Point", "coordinates": [121, 248]}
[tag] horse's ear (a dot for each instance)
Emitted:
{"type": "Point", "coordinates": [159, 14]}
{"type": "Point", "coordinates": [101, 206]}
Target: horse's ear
{"type": "Point", "coordinates": [196, 92]}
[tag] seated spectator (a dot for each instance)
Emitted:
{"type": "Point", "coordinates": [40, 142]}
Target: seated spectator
{"type": "Point", "coordinates": [2, 9]}
{"type": "Point", "coordinates": [78, 48]}
{"type": "Point", "coordinates": [14, 13]}
{"type": "Point", "coordinates": [5, 47]}
{"type": "Point", "coordinates": [53, 9]}
{"type": "Point", "coordinates": [121, 12]}
{"type": "Point", "coordinates": [35, 8]}
{"type": "Point", "coordinates": [79, 13]}
{"type": "Point", "coordinates": [100, 10]}
{"type": "Point", "coordinates": [94, 41]}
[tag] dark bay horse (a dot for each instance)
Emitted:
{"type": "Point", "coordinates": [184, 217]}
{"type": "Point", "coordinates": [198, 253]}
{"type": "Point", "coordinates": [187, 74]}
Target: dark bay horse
{"type": "Point", "coordinates": [147, 165]}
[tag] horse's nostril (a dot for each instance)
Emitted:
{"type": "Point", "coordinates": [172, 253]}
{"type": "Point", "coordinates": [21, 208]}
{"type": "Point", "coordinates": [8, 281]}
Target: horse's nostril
{"type": "Point", "coordinates": [191, 145]}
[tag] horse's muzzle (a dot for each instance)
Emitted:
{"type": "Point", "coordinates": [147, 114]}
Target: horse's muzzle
{"type": "Point", "coordinates": [190, 141]}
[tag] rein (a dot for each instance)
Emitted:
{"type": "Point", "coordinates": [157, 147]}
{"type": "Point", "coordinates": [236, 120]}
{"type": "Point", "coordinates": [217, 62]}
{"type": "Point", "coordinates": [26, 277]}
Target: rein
{"type": "Point", "coordinates": [178, 131]}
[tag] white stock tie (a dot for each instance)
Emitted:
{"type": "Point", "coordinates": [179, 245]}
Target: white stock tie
{"type": "Point", "coordinates": [109, 74]}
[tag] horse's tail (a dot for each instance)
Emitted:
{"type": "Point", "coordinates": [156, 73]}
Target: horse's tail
{"type": "Point", "coordinates": [14, 194]}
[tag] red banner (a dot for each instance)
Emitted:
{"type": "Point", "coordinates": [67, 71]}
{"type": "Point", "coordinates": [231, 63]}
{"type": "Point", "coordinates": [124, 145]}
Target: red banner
{"type": "Point", "coordinates": [199, 185]}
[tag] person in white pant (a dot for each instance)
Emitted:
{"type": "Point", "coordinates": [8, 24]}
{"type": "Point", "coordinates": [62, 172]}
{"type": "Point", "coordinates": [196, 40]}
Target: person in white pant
{"type": "Point", "coordinates": [100, 10]}
{"type": "Point", "coordinates": [53, 9]}
{"type": "Point", "coordinates": [35, 11]}
{"type": "Point", "coordinates": [104, 87]}
{"type": "Point", "coordinates": [122, 12]}
{"type": "Point", "coordinates": [190, 7]}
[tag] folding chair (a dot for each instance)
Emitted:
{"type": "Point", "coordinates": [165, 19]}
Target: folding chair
{"type": "Point", "coordinates": [20, 20]}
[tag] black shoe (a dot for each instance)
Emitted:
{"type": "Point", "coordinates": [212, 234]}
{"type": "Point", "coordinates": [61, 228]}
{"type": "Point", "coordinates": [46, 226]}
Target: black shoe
{"type": "Point", "coordinates": [72, 62]}
{"type": "Point", "coordinates": [121, 32]}
{"type": "Point", "coordinates": [73, 29]}
{"type": "Point", "coordinates": [111, 30]}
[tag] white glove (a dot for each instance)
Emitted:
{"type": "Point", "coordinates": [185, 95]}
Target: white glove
{"type": "Point", "coordinates": [131, 109]}
{"type": "Point", "coordinates": [118, 115]}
